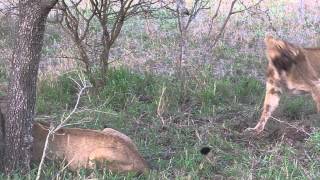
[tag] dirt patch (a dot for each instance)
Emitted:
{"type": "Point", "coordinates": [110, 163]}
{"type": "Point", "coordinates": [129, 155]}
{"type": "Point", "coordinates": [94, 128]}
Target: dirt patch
{"type": "Point", "coordinates": [291, 132]}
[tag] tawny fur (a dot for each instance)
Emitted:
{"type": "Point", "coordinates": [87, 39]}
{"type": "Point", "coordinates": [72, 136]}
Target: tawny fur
{"type": "Point", "coordinates": [290, 68]}
{"type": "Point", "coordinates": [85, 148]}
{"type": "Point", "coordinates": [126, 139]}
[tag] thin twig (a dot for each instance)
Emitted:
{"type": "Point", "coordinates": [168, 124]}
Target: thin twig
{"type": "Point", "coordinates": [218, 36]}
{"type": "Point", "coordinates": [160, 105]}
{"type": "Point", "coordinates": [299, 129]}
{"type": "Point", "coordinates": [52, 130]}
{"type": "Point", "coordinates": [214, 17]}
{"type": "Point", "coordinates": [44, 153]}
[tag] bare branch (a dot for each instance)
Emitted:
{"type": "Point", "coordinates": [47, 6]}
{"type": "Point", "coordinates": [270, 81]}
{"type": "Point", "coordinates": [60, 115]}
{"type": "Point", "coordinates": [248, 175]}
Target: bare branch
{"type": "Point", "coordinates": [230, 13]}
{"type": "Point", "coordinates": [196, 8]}
{"type": "Point", "coordinates": [84, 84]}
{"type": "Point", "coordinates": [301, 129]}
{"type": "Point", "coordinates": [8, 7]}
{"type": "Point", "coordinates": [214, 17]}
{"type": "Point", "coordinates": [217, 37]}
{"type": "Point", "coordinates": [247, 7]}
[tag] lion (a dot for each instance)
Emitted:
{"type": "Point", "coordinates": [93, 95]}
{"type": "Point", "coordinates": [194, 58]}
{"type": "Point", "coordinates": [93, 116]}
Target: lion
{"type": "Point", "coordinates": [292, 69]}
{"type": "Point", "coordinates": [82, 148]}
{"type": "Point", "coordinates": [90, 149]}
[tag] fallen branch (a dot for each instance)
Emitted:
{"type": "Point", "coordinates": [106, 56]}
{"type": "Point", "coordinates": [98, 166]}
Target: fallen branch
{"type": "Point", "coordinates": [82, 86]}
{"type": "Point", "coordinates": [160, 105]}
{"type": "Point", "coordinates": [298, 129]}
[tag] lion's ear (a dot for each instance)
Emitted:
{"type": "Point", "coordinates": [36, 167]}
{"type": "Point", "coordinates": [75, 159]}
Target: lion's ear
{"type": "Point", "coordinates": [268, 40]}
{"type": "Point", "coordinates": [276, 48]}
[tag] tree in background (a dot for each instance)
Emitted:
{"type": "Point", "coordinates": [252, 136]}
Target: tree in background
{"type": "Point", "coordinates": [184, 24]}
{"type": "Point", "coordinates": [32, 15]}
{"type": "Point", "coordinates": [94, 27]}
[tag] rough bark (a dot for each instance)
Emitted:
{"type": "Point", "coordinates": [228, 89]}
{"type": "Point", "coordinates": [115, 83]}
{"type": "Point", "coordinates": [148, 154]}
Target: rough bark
{"type": "Point", "coordinates": [104, 61]}
{"type": "Point", "coordinates": [3, 111]}
{"type": "Point", "coordinates": [22, 83]}
{"type": "Point", "coordinates": [1, 135]}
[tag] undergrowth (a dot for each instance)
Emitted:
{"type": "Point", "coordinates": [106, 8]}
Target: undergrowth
{"type": "Point", "coordinates": [170, 129]}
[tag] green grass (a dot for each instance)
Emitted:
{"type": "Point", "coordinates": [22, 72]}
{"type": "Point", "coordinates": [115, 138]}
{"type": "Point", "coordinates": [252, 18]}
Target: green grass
{"type": "Point", "coordinates": [193, 113]}
{"type": "Point", "coordinates": [3, 73]}
{"type": "Point", "coordinates": [55, 95]}
{"type": "Point", "coordinates": [297, 107]}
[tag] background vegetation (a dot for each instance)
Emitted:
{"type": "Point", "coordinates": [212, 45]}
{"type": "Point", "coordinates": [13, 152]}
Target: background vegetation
{"type": "Point", "coordinates": [172, 106]}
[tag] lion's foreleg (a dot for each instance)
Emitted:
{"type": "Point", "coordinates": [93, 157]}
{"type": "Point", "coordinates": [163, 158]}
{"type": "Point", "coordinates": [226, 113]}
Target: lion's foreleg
{"type": "Point", "coordinates": [271, 102]}
{"type": "Point", "coordinates": [316, 97]}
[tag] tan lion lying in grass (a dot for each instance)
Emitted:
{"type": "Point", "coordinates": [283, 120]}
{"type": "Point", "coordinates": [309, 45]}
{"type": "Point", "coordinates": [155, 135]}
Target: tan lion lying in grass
{"type": "Point", "coordinates": [83, 148]}
{"type": "Point", "coordinates": [86, 148]}
{"type": "Point", "coordinates": [291, 68]}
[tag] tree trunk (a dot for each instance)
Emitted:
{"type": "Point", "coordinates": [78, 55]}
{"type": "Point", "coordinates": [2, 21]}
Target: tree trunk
{"type": "Point", "coordinates": [22, 83]}
{"type": "Point", "coordinates": [1, 136]}
{"type": "Point", "coordinates": [85, 59]}
{"type": "Point", "coordinates": [182, 43]}
{"type": "Point", "coordinates": [3, 112]}
{"type": "Point", "coordinates": [104, 63]}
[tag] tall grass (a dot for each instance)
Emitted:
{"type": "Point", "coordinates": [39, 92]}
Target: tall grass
{"type": "Point", "coordinates": [170, 140]}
